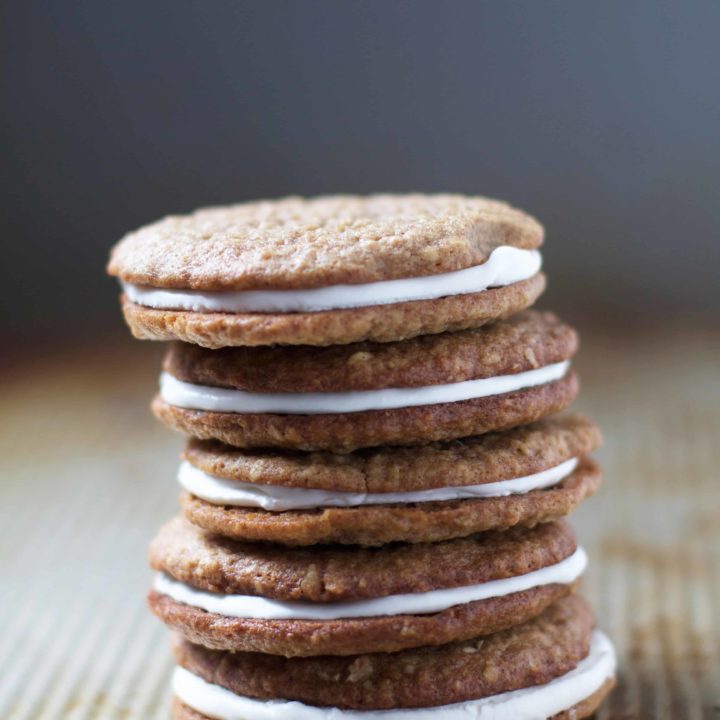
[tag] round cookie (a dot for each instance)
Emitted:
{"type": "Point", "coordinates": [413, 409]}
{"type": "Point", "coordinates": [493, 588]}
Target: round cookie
{"type": "Point", "coordinates": [530, 474]}
{"type": "Point", "coordinates": [328, 270]}
{"type": "Point", "coordinates": [435, 387]}
{"type": "Point", "coordinates": [335, 600]}
{"type": "Point", "coordinates": [563, 665]}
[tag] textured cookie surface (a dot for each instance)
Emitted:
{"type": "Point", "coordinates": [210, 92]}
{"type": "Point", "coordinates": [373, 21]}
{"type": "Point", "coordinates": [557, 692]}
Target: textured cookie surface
{"type": "Point", "coordinates": [476, 460]}
{"type": "Point", "coordinates": [305, 243]}
{"type": "Point", "coordinates": [524, 342]}
{"type": "Point", "coordinates": [533, 653]}
{"type": "Point", "coordinates": [332, 573]}
{"type": "Point", "coordinates": [386, 633]}
{"type": "Point", "coordinates": [344, 432]}
{"type": "Point", "coordinates": [380, 323]}
{"type": "Point", "coordinates": [329, 573]}
{"type": "Point", "coordinates": [373, 525]}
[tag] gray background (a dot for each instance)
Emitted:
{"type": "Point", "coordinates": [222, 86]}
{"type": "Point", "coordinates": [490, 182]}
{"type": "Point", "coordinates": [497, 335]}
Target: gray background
{"type": "Point", "coordinates": [602, 118]}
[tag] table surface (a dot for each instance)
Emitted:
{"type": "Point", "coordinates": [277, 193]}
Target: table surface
{"type": "Point", "coordinates": [87, 477]}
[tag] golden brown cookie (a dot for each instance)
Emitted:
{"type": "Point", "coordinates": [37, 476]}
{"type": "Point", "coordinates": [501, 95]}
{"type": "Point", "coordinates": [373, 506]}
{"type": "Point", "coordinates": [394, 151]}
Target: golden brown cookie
{"type": "Point", "coordinates": [372, 525]}
{"type": "Point", "coordinates": [557, 654]}
{"type": "Point", "coordinates": [344, 600]}
{"type": "Point", "coordinates": [209, 262]}
{"type": "Point", "coordinates": [527, 341]}
{"type": "Point", "coordinates": [530, 474]}
{"type": "Point", "coordinates": [485, 458]}
{"type": "Point", "coordinates": [435, 387]}
{"type": "Point", "coordinates": [384, 323]}
{"type": "Point", "coordinates": [302, 243]}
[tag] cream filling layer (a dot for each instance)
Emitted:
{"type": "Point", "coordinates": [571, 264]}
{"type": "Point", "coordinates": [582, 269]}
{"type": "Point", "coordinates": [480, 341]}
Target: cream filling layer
{"type": "Point", "coordinates": [215, 399]}
{"type": "Point", "coordinates": [252, 606]}
{"type": "Point", "coordinates": [532, 703]}
{"type": "Point", "coordinates": [276, 498]}
{"type": "Point", "coordinates": [506, 265]}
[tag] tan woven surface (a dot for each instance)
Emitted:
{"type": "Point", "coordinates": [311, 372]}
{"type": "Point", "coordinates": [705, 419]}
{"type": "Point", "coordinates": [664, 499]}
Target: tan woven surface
{"type": "Point", "coordinates": [87, 477]}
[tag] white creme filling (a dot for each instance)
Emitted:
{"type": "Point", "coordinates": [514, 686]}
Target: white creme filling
{"type": "Point", "coordinates": [252, 606]}
{"type": "Point", "coordinates": [215, 399]}
{"type": "Point", "coordinates": [506, 265]}
{"type": "Point", "coordinates": [532, 703]}
{"type": "Point", "coordinates": [276, 498]}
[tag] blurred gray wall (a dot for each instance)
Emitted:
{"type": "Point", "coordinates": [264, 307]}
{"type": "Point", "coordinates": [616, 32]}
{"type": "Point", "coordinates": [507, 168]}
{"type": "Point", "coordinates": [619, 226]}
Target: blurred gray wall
{"type": "Point", "coordinates": [601, 117]}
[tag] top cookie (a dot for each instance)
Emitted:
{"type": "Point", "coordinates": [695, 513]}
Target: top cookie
{"type": "Point", "coordinates": [308, 243]}
{"type": "Point", "coordinates": [245, 274]}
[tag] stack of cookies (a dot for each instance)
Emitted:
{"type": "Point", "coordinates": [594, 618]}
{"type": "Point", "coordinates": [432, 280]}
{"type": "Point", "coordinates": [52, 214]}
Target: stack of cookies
{"type": "Point", "coordinates": [376, 476]}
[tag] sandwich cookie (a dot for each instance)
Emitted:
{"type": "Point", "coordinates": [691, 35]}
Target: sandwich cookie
{"type": "Point", "coordinates": [435, 387]}
{"type": "Point", "coordinates": [553, 666]}
{"type": "Point", "coordinates": [342, 600]}
{"type": "Point", "coordinates": [530, 474]}
{"type": "Point", "coordinates": [329, 270]}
